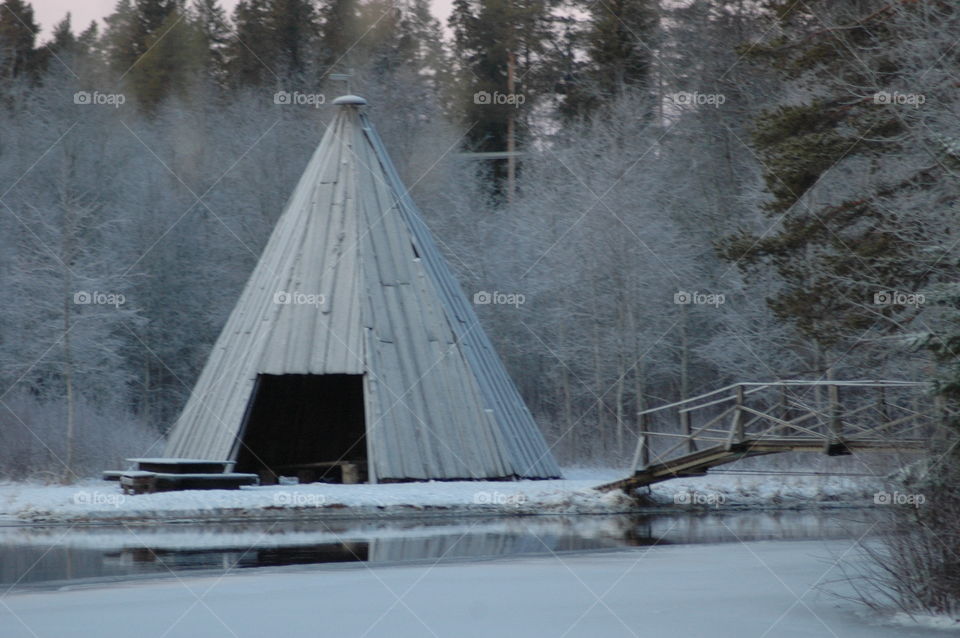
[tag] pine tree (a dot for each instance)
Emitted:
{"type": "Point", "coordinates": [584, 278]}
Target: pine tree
{"type": "Point", "coordinates": [294, 27]}
{"type": "Point", "coordinates": [77, 51]}
{"type": "Point", "coordinates": [619, 39]}
{"type": "Point", "coordinates": [275, 39]}
{"type": "Point", "coordinates": [63, 37]}
{"type": "Point", "coordinates": [403, 36]}
{"type": "Point", "coordinates": [18, 55]}
{"type": "Point", "coordinates": [426, 49]}
{"type": "Point", "coordinates": [153, 14]}
{"type": "Point", "coordinates": [211, 21]}
{"type": "Point", "coordinates": [89, 38]}
{"type": "Point", "coordinates": [500, 47]}
{"type": "Point", "coordinates": [339, 33]}
{"type": "Point", "coordinates": [131, 28]}
{"type": "Point", "coordinates": [837, 163]}
{"type": "Point", "coordinates": [174, 62]}
{"type": "Point", "coordinates": [248, 60]}
{"type": "Point", "coordinates": [157, 47]}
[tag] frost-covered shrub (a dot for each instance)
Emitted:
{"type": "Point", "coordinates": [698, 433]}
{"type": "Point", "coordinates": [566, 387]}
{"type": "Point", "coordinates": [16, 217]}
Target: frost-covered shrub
{"type": "Point", "coordinates": [914, 565]}
{"type": "Point", "coordinates": [33, 442]}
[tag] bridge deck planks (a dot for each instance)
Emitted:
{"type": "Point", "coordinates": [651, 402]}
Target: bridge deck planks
{"type": "Point", "coordinates": [697, 463]}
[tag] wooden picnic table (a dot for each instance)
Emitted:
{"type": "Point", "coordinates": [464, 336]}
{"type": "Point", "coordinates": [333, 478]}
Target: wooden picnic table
{"type": "Point", "coordinates": [157, 474]}
{"type": "Point", "coordinates": [140, 482]}
{"type": "Point", "coordinates": [180, 466]}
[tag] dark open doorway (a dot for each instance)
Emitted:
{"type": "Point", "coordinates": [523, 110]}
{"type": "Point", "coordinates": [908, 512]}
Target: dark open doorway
{"type": "Point", "coordinates": [306, 425]}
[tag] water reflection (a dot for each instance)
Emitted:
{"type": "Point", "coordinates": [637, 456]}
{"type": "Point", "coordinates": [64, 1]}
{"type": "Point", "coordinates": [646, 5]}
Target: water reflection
{"type": "Point", "coordinates": [50, 555]}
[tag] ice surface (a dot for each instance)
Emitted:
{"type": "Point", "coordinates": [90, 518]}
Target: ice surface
{"type": "Point", "coordinates": [710, 591]}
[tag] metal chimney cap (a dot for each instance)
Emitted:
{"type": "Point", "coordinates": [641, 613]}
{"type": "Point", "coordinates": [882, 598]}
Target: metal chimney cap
{"type": "Point", "coordinates": [350, 100]}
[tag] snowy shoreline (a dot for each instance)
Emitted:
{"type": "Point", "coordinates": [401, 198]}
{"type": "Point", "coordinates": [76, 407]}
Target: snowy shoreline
{"type": "Point", "coordinates": [103, 502]}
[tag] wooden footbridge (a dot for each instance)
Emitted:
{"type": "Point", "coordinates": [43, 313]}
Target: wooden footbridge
{"type": "Point", "coordinates": [754, 419]}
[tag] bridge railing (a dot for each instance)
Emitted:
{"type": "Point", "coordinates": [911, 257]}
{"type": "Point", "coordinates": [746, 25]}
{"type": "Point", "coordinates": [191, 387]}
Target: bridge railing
{"type": "Point", "coordinates": [834, 414]}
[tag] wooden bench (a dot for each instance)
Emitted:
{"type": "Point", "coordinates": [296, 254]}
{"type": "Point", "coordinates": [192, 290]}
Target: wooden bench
{"type": "Point", "coordinates": [350, 471]}
{"type": "Point", "coordinates": [137, 482]}
{"type": "Point", "coordinates": [140, 482]}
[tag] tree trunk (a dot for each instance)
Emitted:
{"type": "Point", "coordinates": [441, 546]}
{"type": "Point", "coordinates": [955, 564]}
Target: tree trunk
{"type": "Point", "coordinates": [598, 383]}
{"type": "Point", "coordinates": [511, 132]}
{"type": "Point", "coordinates": [68, 382]}
{"type": "Point", "coordinates": [565, 386]}
{"type": "Point", "coordinates": [619, 409]}
{"type": "Point", "coordinates": [68, 247]}
{"type": "Point", "coordinates": [685, 376]}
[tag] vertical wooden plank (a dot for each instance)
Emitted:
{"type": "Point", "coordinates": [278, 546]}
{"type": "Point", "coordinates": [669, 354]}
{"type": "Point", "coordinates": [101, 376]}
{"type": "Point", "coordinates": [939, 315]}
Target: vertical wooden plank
{"type": "Point", "coordinates": [784, 403]}
{"type": "Point", "coordinates": [738, 416]}
{"type": "Point", "coordinates": [687, 431]}
{"type": "Point", "coordinates": [645, 452]}
{"type": "Point", "coordinates": [641, 456]}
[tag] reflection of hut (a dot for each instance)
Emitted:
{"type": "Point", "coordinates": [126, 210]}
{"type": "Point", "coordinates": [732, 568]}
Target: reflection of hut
{"type": "Point", "coordinates": [352, 345]}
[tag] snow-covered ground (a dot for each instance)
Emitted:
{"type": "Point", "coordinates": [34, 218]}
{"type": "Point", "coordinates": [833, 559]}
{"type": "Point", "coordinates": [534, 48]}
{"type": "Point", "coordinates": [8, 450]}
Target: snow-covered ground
{"type": "Point", "coordinates": [713, 591]}
{"type": "Point", "coordinates": [103, 501]}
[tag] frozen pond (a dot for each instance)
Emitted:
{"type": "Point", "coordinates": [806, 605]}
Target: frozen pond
{"type": "Point", "coordinates": [52, 556]}
{"type": "Point", "coordinates": [774, 589]}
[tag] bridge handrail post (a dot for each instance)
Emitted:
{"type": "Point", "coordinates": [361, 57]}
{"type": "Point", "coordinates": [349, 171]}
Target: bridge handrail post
{"type": "Point", "coordinates": [836, 417]}
{"type": "Point", "coordinates": [784, 403]}
{"type": "Point", "coordinates": [645, 425]}
{"type": "Point", "coordinates": [641, 456]}
{"type": "Point", "coordinates": [736, 427]}
{"type": "Point", "coordinates": [883, 406]}
{"type": "Point", "coordinates": [738, 416]}
{"type": "Point", "coordinates": [687, 431]}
